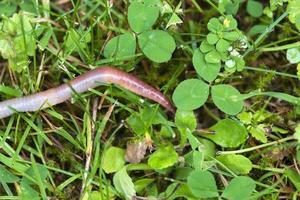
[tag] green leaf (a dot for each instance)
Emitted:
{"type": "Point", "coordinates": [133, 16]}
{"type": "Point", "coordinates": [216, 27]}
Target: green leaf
{"type": "Point", "coordinates": [227, 99]}
{"type": "Point", "coordinates": [297, 133]}
{"type": "Point", "coordinates": [212, 38]}
{"type": "Point", "coordinates": [142, 17]}
{"type": "Point", "coordinates": [231, 36]}
{"type": "Point", "coordinates": [245, 117]}
{"type": "Point", "coordinates": [239, 188]}
{"type": "Point", "coordinates": [256, 29]}
{"type": "Point", "coordinates": [208, 71]}
{"type": "Point", "coordinates": [202, 184]}
{"type": "Point", "coordinates": [157, 45]}
{"type": "Point", "coordinates": [123, 184]}
{"type": "Point", "coordinates": [141, 184]}
{"type": "Point", "coordinates": [45, 39]}
{"type": "Point", "coordinates": [29, 6]}
{"type": "Point", "coordinates": [137, 124]}
{"type": "Point", "coordinates": [294, 177]}
{"type": "Point", "coordinates": [254, 8]}
{"type": "Point", "coordinates": [214, 25]}
{"type": "Point", "coordinates": [237, 163]}
{"type": "Point", "coordinates": [76, 40]}
{"type": "Point", "coordinates": [27, 192]}
{"type": "Point", "coordinates": [222, 45]}
{"type": "Point", "coordinates": [228, 133]}
{"type": "Point", "coordinates": [42, 173]}
{"type": "Point", "coordinates": [6, 176]}
{"type": "Point", "coordinates": [258, 132]}
{"type": "Point", "coordinates": [190, 94]}
{"type": "Point", "coordinates": [185, 120]}
{"type": "Point", "coordinates": [293, 55]}
{"type": "Point", "coordinates": [208, 148]}
{"type": "Point", "coordinates": [229, 23]}
{"type": "Point", "coordinates": [7, 8]}
{"type": "Point", "coordinates": [121, 46]}
{"type": "Point", "coordinates": [113, 159]}
{"type": "Point", "coordinates": [229, 6]}
{"type": "Point", "coordinates": [213, 57]}
{"type": "Point", "coordinates": [174, 20]}
{"type": "Point", "coordinates": [164, 157]}
{"type": "Point", "coordinates": [205, 47]}
{"type": "Point", "coordinates": [294, 12]}
{"type": "Point", "coordinates": [175, 190]}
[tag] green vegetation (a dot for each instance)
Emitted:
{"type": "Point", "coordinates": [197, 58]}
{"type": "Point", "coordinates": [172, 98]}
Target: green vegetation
{"type": "Point", "coordinates": [231, 68]}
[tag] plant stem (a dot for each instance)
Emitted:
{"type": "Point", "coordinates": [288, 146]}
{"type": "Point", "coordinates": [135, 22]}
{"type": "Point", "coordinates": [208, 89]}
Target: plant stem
{"type": "Point", "coordinates": [256, 147]}
{"type": "Point", "coordinates": [283, 47]}
{"type": "Point", "coordinates": [271, 71]}
{"type": "Point", "coordinates": [267, 31]}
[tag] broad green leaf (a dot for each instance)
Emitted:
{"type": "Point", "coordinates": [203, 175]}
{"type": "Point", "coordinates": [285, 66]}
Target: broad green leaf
{"type": "Point", "coordinates": [231, 36]}
{"type": "Point", "coordinates": [202, 184]}
{"type": "Point", "coordinates": [142, 17]}
{"type": "Point", "coordinates": [294, 177]}
{"type": "Point", "coordinates": [229, 6]}
{"type": "Point", "coordinates": [42, 173]}
{"type": "Point", "coordinates": [228, 133]}
{"type": "Point", "coordinates": [254, 8]}
{"type": "Point", "coordinates": [29, 6]}
{"type": "Point", "coordinates": [227, 99]}
{"type": "Point", "coordinates": [123, 184]}
{"type": "Point", "coordinates": [8, 8]}
{"type": "Point", "coordinates": [293, 55]}
{"type": "Point", "coordinates": [6, 176]}
{"type": "Point", "coordinates": [239, 188]}
{"type": "Point", "coordinates": [214, 25]}
{"type": "Point", "coordinates": [121, 46]}
{"type": "Point", "coordinates": [212, 38]}
{"type": "Point", "coordinates": [294, 12]}
{"type": "Point", "coordinates": [137, 124]}
{"type": "Point", "coordinates": [229, 23]}
{"type": "Point", "coordinates": [208, 148]}
{"type": "Point", "coordinates": [205, 47]}
{"type": "Point", "coordinates": [245, 117]}
{"type": "Point", "coordinates": [222, 45]}
{"type": "Point", "coordinates": [113, 159]}
{"type": "Point", "coordinates": [186, 123]}
{"type": "Point", "coordinates": [163, 157]}
{"type": "Point", "coordinates": [213, 57]}
{"type": "Point", "coordinates": [190, 94]}
{"type": "Point", "coordinates": [208, 71]}
{"type": "Point", "coordinates": [157, 45]}
{"type": "Point", "coordinates": [237, 163]}
{"type": "Point", "coordinates": [27, 192]}
{"type": "Point", "coordinates": [258, 132]}
{"type": "Point", "coordinates": [185, 119]}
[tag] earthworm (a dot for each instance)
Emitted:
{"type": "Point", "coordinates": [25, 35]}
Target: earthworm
{"type": "Point", "coordinates": [80, 84]}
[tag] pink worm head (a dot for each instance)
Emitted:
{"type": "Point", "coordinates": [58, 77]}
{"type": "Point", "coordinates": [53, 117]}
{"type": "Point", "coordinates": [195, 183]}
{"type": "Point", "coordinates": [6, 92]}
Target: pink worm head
{"type": "Point", "coordinates": [80, 84]}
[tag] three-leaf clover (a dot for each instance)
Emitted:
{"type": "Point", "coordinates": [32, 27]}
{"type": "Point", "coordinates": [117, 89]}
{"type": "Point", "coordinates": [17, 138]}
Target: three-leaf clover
{"type": "Point", "coordinates": [157, 45]}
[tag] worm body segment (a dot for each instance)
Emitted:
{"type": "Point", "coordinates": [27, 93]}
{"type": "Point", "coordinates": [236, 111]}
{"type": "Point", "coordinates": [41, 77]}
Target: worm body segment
{"type": "Point", "coordinates": [80, 84]}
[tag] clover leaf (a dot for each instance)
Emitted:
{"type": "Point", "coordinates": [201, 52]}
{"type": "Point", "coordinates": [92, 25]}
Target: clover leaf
{"type": "Point", "coordinates": [222, 32]}
{"type": "Point", "coordinates": [294, 12]}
